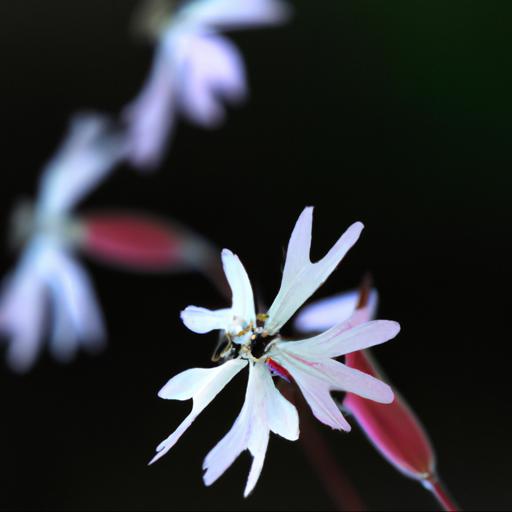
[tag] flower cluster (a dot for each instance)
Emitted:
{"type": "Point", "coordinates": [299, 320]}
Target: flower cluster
{"type": "Point", "coordinates": [195, 69]}
{"type": "Point", "coordinates": [196, 73]}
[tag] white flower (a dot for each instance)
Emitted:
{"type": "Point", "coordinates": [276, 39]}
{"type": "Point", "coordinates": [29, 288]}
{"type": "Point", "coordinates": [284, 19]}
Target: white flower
{"type": "Point", "coordinates": [254, 340]}
{"type": "Point", "coordinates": [194, 72]}
{"type": "Point", "coordinates": [47, 270]}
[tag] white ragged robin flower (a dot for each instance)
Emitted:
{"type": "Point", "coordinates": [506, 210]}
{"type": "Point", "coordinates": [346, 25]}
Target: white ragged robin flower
{"type": "Point", "coordinates": [196, 70]}
{"type": "Point", "coordinates": [48, 272]}
{"type": "Point", "coordinates": [253, 340]}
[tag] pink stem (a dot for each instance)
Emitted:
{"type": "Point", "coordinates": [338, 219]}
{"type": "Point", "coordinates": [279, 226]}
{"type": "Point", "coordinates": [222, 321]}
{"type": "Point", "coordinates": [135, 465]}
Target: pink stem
{"type": "Point", "coordinates": [439, 491]}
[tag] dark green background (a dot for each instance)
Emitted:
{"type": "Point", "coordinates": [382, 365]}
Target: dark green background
{"type": "Point", "coordinates": [394, 113]}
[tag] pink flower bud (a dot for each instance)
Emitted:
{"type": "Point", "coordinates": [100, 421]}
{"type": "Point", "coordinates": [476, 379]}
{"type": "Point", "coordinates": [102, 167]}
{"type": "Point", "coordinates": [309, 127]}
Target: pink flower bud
{"type": "Point", "coordinates": [132, 241]}
{"type": "Point", "coordinates": [393, 428]}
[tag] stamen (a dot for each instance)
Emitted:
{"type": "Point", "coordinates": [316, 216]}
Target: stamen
{"type": "Point", "coordinates": [243, 332]}
{"type": "Point", "coordinates": [223, 348]}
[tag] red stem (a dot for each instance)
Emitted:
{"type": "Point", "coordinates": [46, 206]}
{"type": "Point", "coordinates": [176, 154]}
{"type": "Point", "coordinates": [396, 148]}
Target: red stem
{"type": "Point", "coordinates": [335, 480]}
{"type": "Point", "coordinates": [439, 491]}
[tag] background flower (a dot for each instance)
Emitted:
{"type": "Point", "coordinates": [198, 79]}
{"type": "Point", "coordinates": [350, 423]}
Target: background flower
{"type": "Point", "coordinates": [49, 290]}
{"type": "Point", "coordinates": [196, 71]}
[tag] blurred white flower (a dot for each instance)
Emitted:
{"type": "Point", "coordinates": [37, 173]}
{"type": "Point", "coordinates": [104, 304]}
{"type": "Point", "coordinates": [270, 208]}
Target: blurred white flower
{"type": "Point", "coordinates": [195, 71]}
{"type": "Point", "coordinates": [47, 271]}
{"type": "Point", "coordinates": [324, 313]}
{"type": "Point", "coordinates": [254, 340]}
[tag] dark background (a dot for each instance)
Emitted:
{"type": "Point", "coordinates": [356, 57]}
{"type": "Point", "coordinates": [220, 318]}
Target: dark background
{"type": "Point", "coordinates": [394, 113]}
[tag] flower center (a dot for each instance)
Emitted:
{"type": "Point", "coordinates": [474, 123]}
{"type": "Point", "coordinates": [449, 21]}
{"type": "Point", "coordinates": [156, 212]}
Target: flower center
{"type": "Point", "coordinates": [259, 342]}
{"type": "Point", "coordinates": [259, 339]}
{"type": "Point", "coordinates": [250, 343]}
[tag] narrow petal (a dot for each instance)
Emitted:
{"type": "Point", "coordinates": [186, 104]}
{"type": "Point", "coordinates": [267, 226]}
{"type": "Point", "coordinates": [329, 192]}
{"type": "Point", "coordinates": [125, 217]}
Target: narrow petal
{"type": "Point", "coordinates": [151, 116]}
{"type": "Point", "coordinates": [88, 153]}
{"type": "Point", "coordinates": [342, 339]}
{"type": "Point", "coordinates": [76, 316]}
{"type": "Point", "coordinates": [202, 320]}
{"type": "Point", "coordinates": [301, 278]}
{"type": "Point", "coordinates": [258, 444]}
{"type": "Point", "coordinates": [64, 341]}
{"type": "Point", "coordinates": [264, 410]}
{"type": "Point", "coordinates": [283, 418]}
{"type": "Point", "coordinates": [326, 313]}
{"type": "Point", "coordinates": [316, 388]}
{"type": "Point", "coordinates": [232, 444]}
{"type": "Point", "coordinates": [190, 383]}
{"type": "Point", "coordinates": [202, 385]}
{"type": "Point", "coordinates": [233, 14]}
{"type": "Point", "coordinates": [344, 378]}
{"type": "Point", "coordinates": [212, 71]}
{"type": "Point", "coordinates": [22, 309]}
{"type": "Point", "coordinates": [243, 298]}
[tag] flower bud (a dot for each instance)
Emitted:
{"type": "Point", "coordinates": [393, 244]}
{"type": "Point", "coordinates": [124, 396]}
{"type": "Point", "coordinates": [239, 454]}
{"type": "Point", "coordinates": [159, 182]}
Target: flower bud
{"type": "Point", "coordinates": [392, 428]}
{"type": "Point", "coordinates": [133, 241]}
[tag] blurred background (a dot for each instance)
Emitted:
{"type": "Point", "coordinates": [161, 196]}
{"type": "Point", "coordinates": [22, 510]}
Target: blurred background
{"type": "Point", "coordinates": [393, 113]}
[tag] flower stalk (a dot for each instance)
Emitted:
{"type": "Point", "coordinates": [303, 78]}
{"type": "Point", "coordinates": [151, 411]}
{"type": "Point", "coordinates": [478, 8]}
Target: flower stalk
{"type": "Point", "coordinates": [394, 429]}
{"type": "Point", "coordinates": [440, 493]}
{"type": "Point", "coordinates": [335, 480]}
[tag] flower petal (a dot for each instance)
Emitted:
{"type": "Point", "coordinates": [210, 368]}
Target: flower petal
{"type": "Point", "coordinates": [211, 70]}
{"type": "Point", "coordinates": [22, 308]}
{"type": "Point", "coordinates": [264, 410]}
{"type": "Point", "coordinates": [64, 341]}
{"type": "Point", "coordinates": [200, 384]}
{"type": "Point", "coordinates": [47, 268]}
{"type": "Point", "coordinates": [342, 339]}
{"type": "Point", "coordinates": [243, 298]}
{"type": "Point", "coordinates": [234, 14]}
{"type": "Point", "coordinates": [316, 388]}
{"type": "Point", "coordinates": [202, 320]}
{"type": "Point", "coordinates": [344, 378]}
{"type": "Point", "coordinates": [151, 116]}
{"type": "Point", "coordinates": [89, 152]}
{"type": "Point", "coordinates": [282, 417]}
{"type": "Point", "coordinates": [258, 444]}
{"type": "Point", "coordinates": [326, 313]}
{"type": "Point", "coordinates": [301, 278]}
{"type": "Point", "coordinates": [75, 300]}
